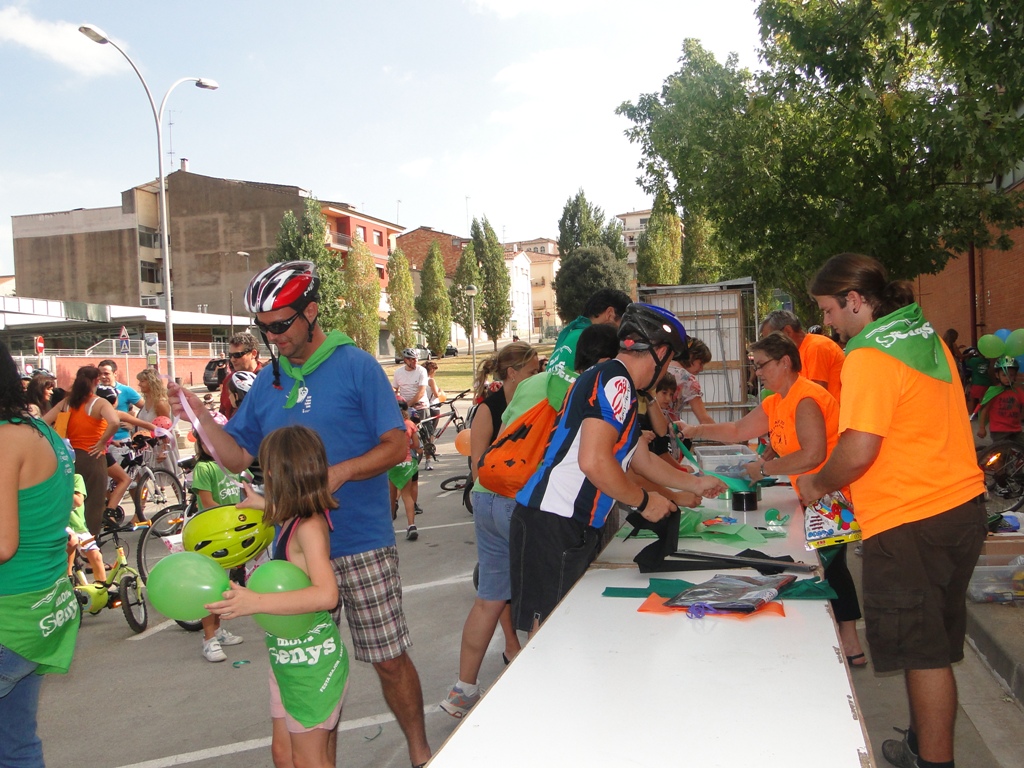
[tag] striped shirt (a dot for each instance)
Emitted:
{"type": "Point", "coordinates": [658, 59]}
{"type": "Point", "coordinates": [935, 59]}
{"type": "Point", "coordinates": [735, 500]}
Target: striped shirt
{"type": "Point", "coordinates": [558, 486]}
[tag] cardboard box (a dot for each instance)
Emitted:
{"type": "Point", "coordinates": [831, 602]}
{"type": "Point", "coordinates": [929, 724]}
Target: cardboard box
{"type": "Point", "coordinates": [1009, 544]}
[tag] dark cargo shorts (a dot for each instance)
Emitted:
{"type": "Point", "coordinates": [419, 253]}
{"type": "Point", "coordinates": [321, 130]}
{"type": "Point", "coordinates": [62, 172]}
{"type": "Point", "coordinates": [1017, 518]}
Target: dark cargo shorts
{"type": "Point", "coordinates": [915, 587]}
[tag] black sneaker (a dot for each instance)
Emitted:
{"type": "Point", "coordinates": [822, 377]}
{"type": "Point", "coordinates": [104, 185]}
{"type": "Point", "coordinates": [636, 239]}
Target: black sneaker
{"type": "Point", "coordinates": [416, 506]}
{"type": "Point", "coordinates": [412, 534]}
{"type": "Point", "coordinates": [898, 752]}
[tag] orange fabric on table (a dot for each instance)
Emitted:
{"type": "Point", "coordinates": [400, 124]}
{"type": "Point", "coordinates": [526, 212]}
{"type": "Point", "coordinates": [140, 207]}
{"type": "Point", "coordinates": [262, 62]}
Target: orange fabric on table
{"type": "Point", "coordinates": [84, 429]}
{"type": "Point", "coordinates": [821, 359]}
{"type": "Point", "coordinates": [781, 413]}
{"type": "Point", "coordinates": [926, 464]}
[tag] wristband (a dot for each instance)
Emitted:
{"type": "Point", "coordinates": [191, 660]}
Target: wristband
{"type": "Point", "coordinates": [642, 505]}
{"type": "Point", "coordinates": [761, 468]}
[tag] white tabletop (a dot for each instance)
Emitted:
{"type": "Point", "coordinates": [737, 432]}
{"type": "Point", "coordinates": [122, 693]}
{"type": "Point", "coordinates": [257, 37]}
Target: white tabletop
{"type": "Point", "coordinates": [602, 684]}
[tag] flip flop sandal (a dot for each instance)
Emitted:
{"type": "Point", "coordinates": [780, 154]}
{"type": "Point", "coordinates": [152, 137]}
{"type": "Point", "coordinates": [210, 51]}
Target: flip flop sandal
{"type": "Point", "coordinates": [852, 659]}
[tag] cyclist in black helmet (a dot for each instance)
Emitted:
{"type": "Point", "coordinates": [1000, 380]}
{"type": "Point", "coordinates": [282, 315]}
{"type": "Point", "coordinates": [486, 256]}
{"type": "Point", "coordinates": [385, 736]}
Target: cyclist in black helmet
{"type": "Point", "coordinates": [555, 527]}
{"type": "Point", "coordinates": [323, 381]}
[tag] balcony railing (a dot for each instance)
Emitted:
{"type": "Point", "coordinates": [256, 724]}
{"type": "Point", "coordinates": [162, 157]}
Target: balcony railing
{"type": "Point", "coordinates": [340, 240]}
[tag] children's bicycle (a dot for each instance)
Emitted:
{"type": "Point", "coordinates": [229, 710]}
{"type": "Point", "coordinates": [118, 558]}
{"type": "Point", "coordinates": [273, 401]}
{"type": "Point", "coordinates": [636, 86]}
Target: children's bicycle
{"type": "Point", "coordinates": [122, 588]}
{"type": "Point", "coordinates": [431, 428]}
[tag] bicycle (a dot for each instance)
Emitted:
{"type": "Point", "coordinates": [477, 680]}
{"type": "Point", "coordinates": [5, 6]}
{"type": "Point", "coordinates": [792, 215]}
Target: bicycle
{"type": "Point", "coordinates": [150, 488]}
{"type": "Point", "coordinates": [122, 588]}
{"type": "Point", "coordinates": [1003, 465]}
{"type": "Point", "coordinates": [428, 437]}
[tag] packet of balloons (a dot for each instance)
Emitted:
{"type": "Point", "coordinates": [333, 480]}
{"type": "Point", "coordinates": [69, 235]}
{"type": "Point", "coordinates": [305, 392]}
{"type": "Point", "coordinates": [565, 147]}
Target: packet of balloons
{"type": "Point", "coordinates": [830, 520]}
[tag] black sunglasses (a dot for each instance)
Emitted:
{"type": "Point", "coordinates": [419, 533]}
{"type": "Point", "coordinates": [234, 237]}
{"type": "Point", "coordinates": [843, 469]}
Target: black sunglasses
{"type": "Point", "coordinates": [279, 327]}
{"type": "Point", "coordinates": [236, 355]}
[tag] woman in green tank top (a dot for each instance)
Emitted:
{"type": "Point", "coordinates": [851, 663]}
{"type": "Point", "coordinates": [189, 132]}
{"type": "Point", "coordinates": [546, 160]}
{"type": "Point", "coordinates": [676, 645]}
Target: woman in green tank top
{"type": "Point", "coordinates": [39, 608]}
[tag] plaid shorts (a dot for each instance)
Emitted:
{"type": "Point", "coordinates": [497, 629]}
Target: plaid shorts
{"type": "Point", "coordinates": [370, 591]}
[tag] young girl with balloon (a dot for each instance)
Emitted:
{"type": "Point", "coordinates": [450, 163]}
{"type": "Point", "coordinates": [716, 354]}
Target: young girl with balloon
{"type": "Point", "coordinates": [291, 597]}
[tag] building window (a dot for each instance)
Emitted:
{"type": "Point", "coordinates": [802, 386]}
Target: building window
{"type": "Point", "coordinates": [361, 232]}
{"type": "Point", "coordinates": [380, 273]}
{"type": "Point", "coordinates": [378, 237]}
{"type": "Point", "coordinates": [148, 238]}
{"type": "Point", "coordinates": [150, 272]}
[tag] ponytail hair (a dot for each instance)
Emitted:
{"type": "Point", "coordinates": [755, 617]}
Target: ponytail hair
{"type": "Point", "coordinates": [85, 379]}
{"type": "Point", "coordinates": [515, 355]}
{"type": "Point", "coordinates": [847, 272]}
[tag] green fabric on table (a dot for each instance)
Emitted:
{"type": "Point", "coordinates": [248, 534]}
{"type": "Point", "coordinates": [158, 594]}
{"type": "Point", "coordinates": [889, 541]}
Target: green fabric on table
{"type": "Point", "coordinates": [801, 589]}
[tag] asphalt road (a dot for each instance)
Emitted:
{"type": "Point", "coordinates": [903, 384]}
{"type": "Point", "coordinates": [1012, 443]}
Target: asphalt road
{"type": "Point", "coordinates": [152, 700]}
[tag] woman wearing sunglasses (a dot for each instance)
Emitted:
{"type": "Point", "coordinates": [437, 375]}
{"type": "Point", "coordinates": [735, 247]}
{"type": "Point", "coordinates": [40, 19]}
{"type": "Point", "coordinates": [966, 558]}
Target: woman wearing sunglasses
{"type": "Point", "coordinates": [802, 420]}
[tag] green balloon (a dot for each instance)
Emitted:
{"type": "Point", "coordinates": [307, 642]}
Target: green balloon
{"type": "Point", "coordinates": [1014, 344]}
{"type": "Point", "coordinates": [991, 345]}
{"type": "Point", "coordinates": [180, 585]}
{"type": "Point", "coordinates": [281, 576]}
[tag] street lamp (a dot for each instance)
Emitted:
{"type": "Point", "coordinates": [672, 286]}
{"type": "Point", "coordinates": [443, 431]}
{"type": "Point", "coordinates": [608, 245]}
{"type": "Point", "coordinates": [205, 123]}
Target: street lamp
{"type": "Point", "coordinates": [244, 253]}
{"type": "Point", "coordinates": [98, 36]}
{"type": "Point", "coordinates": [471, 292]}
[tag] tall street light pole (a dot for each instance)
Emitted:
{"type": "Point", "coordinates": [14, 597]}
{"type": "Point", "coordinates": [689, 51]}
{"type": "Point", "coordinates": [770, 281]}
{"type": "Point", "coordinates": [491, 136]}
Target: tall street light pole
{"type": "Point", "coordinates": [471, 292]}
{"type": "Point", "coordinates": [98, 36]}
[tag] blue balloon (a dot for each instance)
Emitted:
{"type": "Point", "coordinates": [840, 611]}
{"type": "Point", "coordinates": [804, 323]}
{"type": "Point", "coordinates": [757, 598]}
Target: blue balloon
{"type": "Point", "coordinates": [1003, 334]}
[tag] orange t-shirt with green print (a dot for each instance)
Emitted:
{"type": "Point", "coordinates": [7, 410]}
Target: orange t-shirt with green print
{"type": "Point", "coordinates": [926, 464]}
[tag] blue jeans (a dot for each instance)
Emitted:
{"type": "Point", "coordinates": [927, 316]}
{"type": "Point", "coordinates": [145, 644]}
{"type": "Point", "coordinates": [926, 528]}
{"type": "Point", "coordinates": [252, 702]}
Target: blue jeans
{"type": "Point", "coordinates": [20, 747]}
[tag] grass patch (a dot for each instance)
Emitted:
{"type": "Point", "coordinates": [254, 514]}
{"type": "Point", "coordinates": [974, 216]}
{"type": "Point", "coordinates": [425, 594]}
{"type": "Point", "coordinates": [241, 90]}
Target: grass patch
{"type": "Point", "coordinates": [455, 374]}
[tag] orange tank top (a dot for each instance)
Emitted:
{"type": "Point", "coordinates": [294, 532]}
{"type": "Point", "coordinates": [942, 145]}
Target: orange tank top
{"type": "Point", "coordinates": [84, 429]}
{"type": "Point", "coordinates": [781, 413]}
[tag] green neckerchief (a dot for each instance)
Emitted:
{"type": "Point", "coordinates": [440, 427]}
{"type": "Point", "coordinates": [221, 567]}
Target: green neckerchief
{"type": "Point", "coordinates": [992, 393]}
{"type": "Point", "coordinates": [334, 340]}
{"type": "Point", "coordinates": [908, 337]}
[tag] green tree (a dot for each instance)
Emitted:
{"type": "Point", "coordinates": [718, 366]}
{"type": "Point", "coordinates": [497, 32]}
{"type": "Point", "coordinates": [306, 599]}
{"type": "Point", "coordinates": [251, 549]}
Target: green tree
{"type": "Point", "coordinates": [702, 262]}
{"type": "Point", "coordinates": [467, 272]}
{"type": "Point", "coordinates": [400, 296]}
{"type": "Point", "coordinates": [580, 225]}
{"type": "Point", "coordinates": [433, 304]}
{"type": "Point", "coordinates": [305, 239]}
{"type": "Point", "coordinates": [611, 236]}
{"type": "Point", "coordinates": [862, 133]}
{"type": "Point", "coordinates": [494, 307]}
{"type": "Point", "coordinates": [360, 318]}
{"type": "Point", "coordinates": [582, 274]}
{"type": "Point", "coordinates": [659, 248]}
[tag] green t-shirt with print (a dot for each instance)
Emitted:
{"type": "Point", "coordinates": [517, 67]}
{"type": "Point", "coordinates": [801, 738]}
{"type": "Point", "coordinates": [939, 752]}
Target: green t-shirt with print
{"type": "Point", "coordinates": [77, 521]}
{"type": "Point", "coordinates": [223, 486]}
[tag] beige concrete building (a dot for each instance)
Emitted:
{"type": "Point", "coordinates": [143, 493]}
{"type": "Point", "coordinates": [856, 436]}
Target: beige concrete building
{"type": "Point", "coordinates": [633, 225]}
{"type": "Point", "coordinates": [543, 268]}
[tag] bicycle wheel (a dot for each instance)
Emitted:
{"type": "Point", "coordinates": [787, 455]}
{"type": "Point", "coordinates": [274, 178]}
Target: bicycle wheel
{"type": "Point", "coordinates": [190, 626]}
{"type": "Point", "coordinates": [1003, 465]}
{"type": "Point", "coordinates": [133, 602]}
{"type": "Point", "coordinates": [155, 490]}
{"type": "Point", "coordinates": [157, 541]}
{"type": "Point", "coordinates": [456, 483]}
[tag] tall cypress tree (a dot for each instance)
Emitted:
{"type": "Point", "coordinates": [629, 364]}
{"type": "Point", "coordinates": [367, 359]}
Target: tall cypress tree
{"type": "Point", "coordinates": [495, 309]}
{"type": "Point", "coordinates": [434, 306]}
{"type": "Point", "coordinates": [360, 317]}
{"type": "Point", "coordinates": [466, 273]}
{"type": "Point", "coordinates": [401, 298]}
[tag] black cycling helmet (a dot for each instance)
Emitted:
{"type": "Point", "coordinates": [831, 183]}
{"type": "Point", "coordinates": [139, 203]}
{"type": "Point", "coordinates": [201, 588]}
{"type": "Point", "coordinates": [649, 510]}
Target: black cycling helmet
{"type": "Point", "coordinates": [107, 393]}
{"type": "Point", "coordinates": [644, 327]}
{"type": "Point", "coordinates": [286, 284]}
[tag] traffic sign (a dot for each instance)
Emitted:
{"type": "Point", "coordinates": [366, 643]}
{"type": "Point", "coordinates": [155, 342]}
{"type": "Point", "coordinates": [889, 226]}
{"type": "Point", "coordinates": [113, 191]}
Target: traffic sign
{"type": "Point", "coordinates": [124, 346]}
{"type": "Point", "coordinates": [40, 345]}
{"type": "Point", "coordinates": [124, 333]}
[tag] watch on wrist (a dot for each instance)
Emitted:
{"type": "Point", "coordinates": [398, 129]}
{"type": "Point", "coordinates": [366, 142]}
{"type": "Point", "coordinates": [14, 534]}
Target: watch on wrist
{"type": "Point", "coordinates": [761, 468]}
{"type": "Point", "coordinates": [642, 505]}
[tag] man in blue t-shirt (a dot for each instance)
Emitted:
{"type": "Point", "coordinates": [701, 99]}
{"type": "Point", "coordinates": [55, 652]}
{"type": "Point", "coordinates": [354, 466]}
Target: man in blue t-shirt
{"type": "Point", "coordinates": [553, 535]}
{"type": "Point", "coordinates": [127, 398]}
{"type": "Point", "coordinates": [323, 381]}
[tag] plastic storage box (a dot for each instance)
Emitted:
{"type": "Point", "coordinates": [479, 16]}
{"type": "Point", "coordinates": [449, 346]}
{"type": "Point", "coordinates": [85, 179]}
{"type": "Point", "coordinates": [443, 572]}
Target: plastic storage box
{"type": "Point", "coordinates": [997, 579]}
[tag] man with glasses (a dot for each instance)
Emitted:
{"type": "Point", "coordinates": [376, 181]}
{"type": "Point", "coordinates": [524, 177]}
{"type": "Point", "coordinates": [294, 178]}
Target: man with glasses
{"type": "Point", "coordinates": [323, 381]}
{"type": "Point", "coordinates": [243, 355]}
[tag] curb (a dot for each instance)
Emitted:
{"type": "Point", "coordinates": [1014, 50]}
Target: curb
{"type": "Point", "coordinates": [997, 633]}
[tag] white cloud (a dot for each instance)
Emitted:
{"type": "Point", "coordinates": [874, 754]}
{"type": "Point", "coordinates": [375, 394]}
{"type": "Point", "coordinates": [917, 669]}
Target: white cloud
{"type": "Point", "coordinates": [508, 9]}
{"type": "Point", "coordinates": [418, 168]}
{"type": "Point", "coordinates": [60, 42]}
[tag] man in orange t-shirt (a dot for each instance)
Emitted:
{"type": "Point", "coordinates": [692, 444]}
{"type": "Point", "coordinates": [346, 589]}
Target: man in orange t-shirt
{"type": "Point", "coordinates": [907, 451]}
{"type": "Point", "coordinates": [821, 359]}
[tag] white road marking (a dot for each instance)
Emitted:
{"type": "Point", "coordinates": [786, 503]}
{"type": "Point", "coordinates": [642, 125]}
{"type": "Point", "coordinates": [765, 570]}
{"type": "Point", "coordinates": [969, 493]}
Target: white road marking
{"type": "Point", "coordinates": [153, 630]}
{"type": "Point", "coordinates": [245, 746]}
{"type": "Point", "coordinates": [440, 583]}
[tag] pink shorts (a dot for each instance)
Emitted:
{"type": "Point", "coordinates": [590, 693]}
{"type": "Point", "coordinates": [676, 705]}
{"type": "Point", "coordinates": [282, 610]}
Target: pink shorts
{"type": "Point", "coordinates": [277, 711]}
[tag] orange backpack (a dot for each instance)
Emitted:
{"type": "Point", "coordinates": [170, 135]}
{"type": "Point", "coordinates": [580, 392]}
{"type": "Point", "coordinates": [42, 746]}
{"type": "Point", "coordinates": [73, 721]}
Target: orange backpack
{"type": "Point", "coordinates": [511, 460]}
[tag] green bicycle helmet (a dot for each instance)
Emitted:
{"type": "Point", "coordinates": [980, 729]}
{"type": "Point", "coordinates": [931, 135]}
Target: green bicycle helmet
{"type": "Point", "coordinates": [1007, 363]}
{"type": "Point", "coordinates": [229, 536]}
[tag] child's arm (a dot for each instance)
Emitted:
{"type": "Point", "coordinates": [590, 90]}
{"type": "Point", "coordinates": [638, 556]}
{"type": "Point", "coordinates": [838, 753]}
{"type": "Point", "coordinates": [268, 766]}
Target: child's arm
{"type": "Point", "coordinates": [983, 419]}
{"type": "Point", "coordinates": [315, 550]}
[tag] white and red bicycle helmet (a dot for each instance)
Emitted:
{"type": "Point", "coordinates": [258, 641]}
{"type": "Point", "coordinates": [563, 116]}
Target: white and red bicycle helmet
{"type": "Point", "coordinates": [286, 284]}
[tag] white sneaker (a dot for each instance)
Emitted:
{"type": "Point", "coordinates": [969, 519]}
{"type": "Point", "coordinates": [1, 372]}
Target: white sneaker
{"type": "Point", "coordinates": [226, 638]}
{"type": "Point", "coordinates": [212, 650]}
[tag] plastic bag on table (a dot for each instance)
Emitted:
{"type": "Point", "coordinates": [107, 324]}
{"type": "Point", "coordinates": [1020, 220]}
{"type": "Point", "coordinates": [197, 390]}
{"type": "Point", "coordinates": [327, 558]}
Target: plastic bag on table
{"type": "Point", "coordinates": [727, 593]}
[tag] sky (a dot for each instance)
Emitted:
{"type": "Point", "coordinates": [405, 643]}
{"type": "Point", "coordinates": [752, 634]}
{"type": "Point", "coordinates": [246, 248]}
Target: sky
{"type": "Point", "coordinates": [419, 112]}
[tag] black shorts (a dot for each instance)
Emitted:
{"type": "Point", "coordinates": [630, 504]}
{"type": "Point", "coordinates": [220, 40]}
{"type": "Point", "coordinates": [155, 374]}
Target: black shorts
{"type": "Point", "coordinates": [915, 587]}
{"type": "Point", "coordinates": [548, 555]}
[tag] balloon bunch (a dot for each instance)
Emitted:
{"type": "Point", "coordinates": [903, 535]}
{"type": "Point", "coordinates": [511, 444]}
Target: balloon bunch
{"type": "Point", "coordinates": [1003, 343]}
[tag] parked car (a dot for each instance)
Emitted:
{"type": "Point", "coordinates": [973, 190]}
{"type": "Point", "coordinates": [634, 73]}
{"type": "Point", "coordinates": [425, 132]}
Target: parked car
{"type": "Point", "coordinates": [215, 372]}
{"type": "Point", "coordinates": [451, 351]}
{"type": "Point", "coordinates": [422, 353]}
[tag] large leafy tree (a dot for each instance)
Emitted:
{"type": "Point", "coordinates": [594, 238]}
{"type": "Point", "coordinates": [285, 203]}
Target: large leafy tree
{"type": "Point", "coordinates": [702, 262]}
{"type": "Point", "coordinates": [467, 272]}
{"type": "Point", "coordinates": [862, 133]}
{"type": "Point", "coordinates": [401, 298]}
{"type": "Point", "coordinates": [433, 304]}
{"type": "Point", "coordinates": [583, 273]}
{"type": "Point", "coordinates": [494, 307]}
{"type": "Point", "coordinates": [659, 249]}
{"type": "Point", "coordinates": [611, 236]}
{"type": "Point", "coordinates": [360, 314]}
{"type": "Point", "coordinates": [305, 239]}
